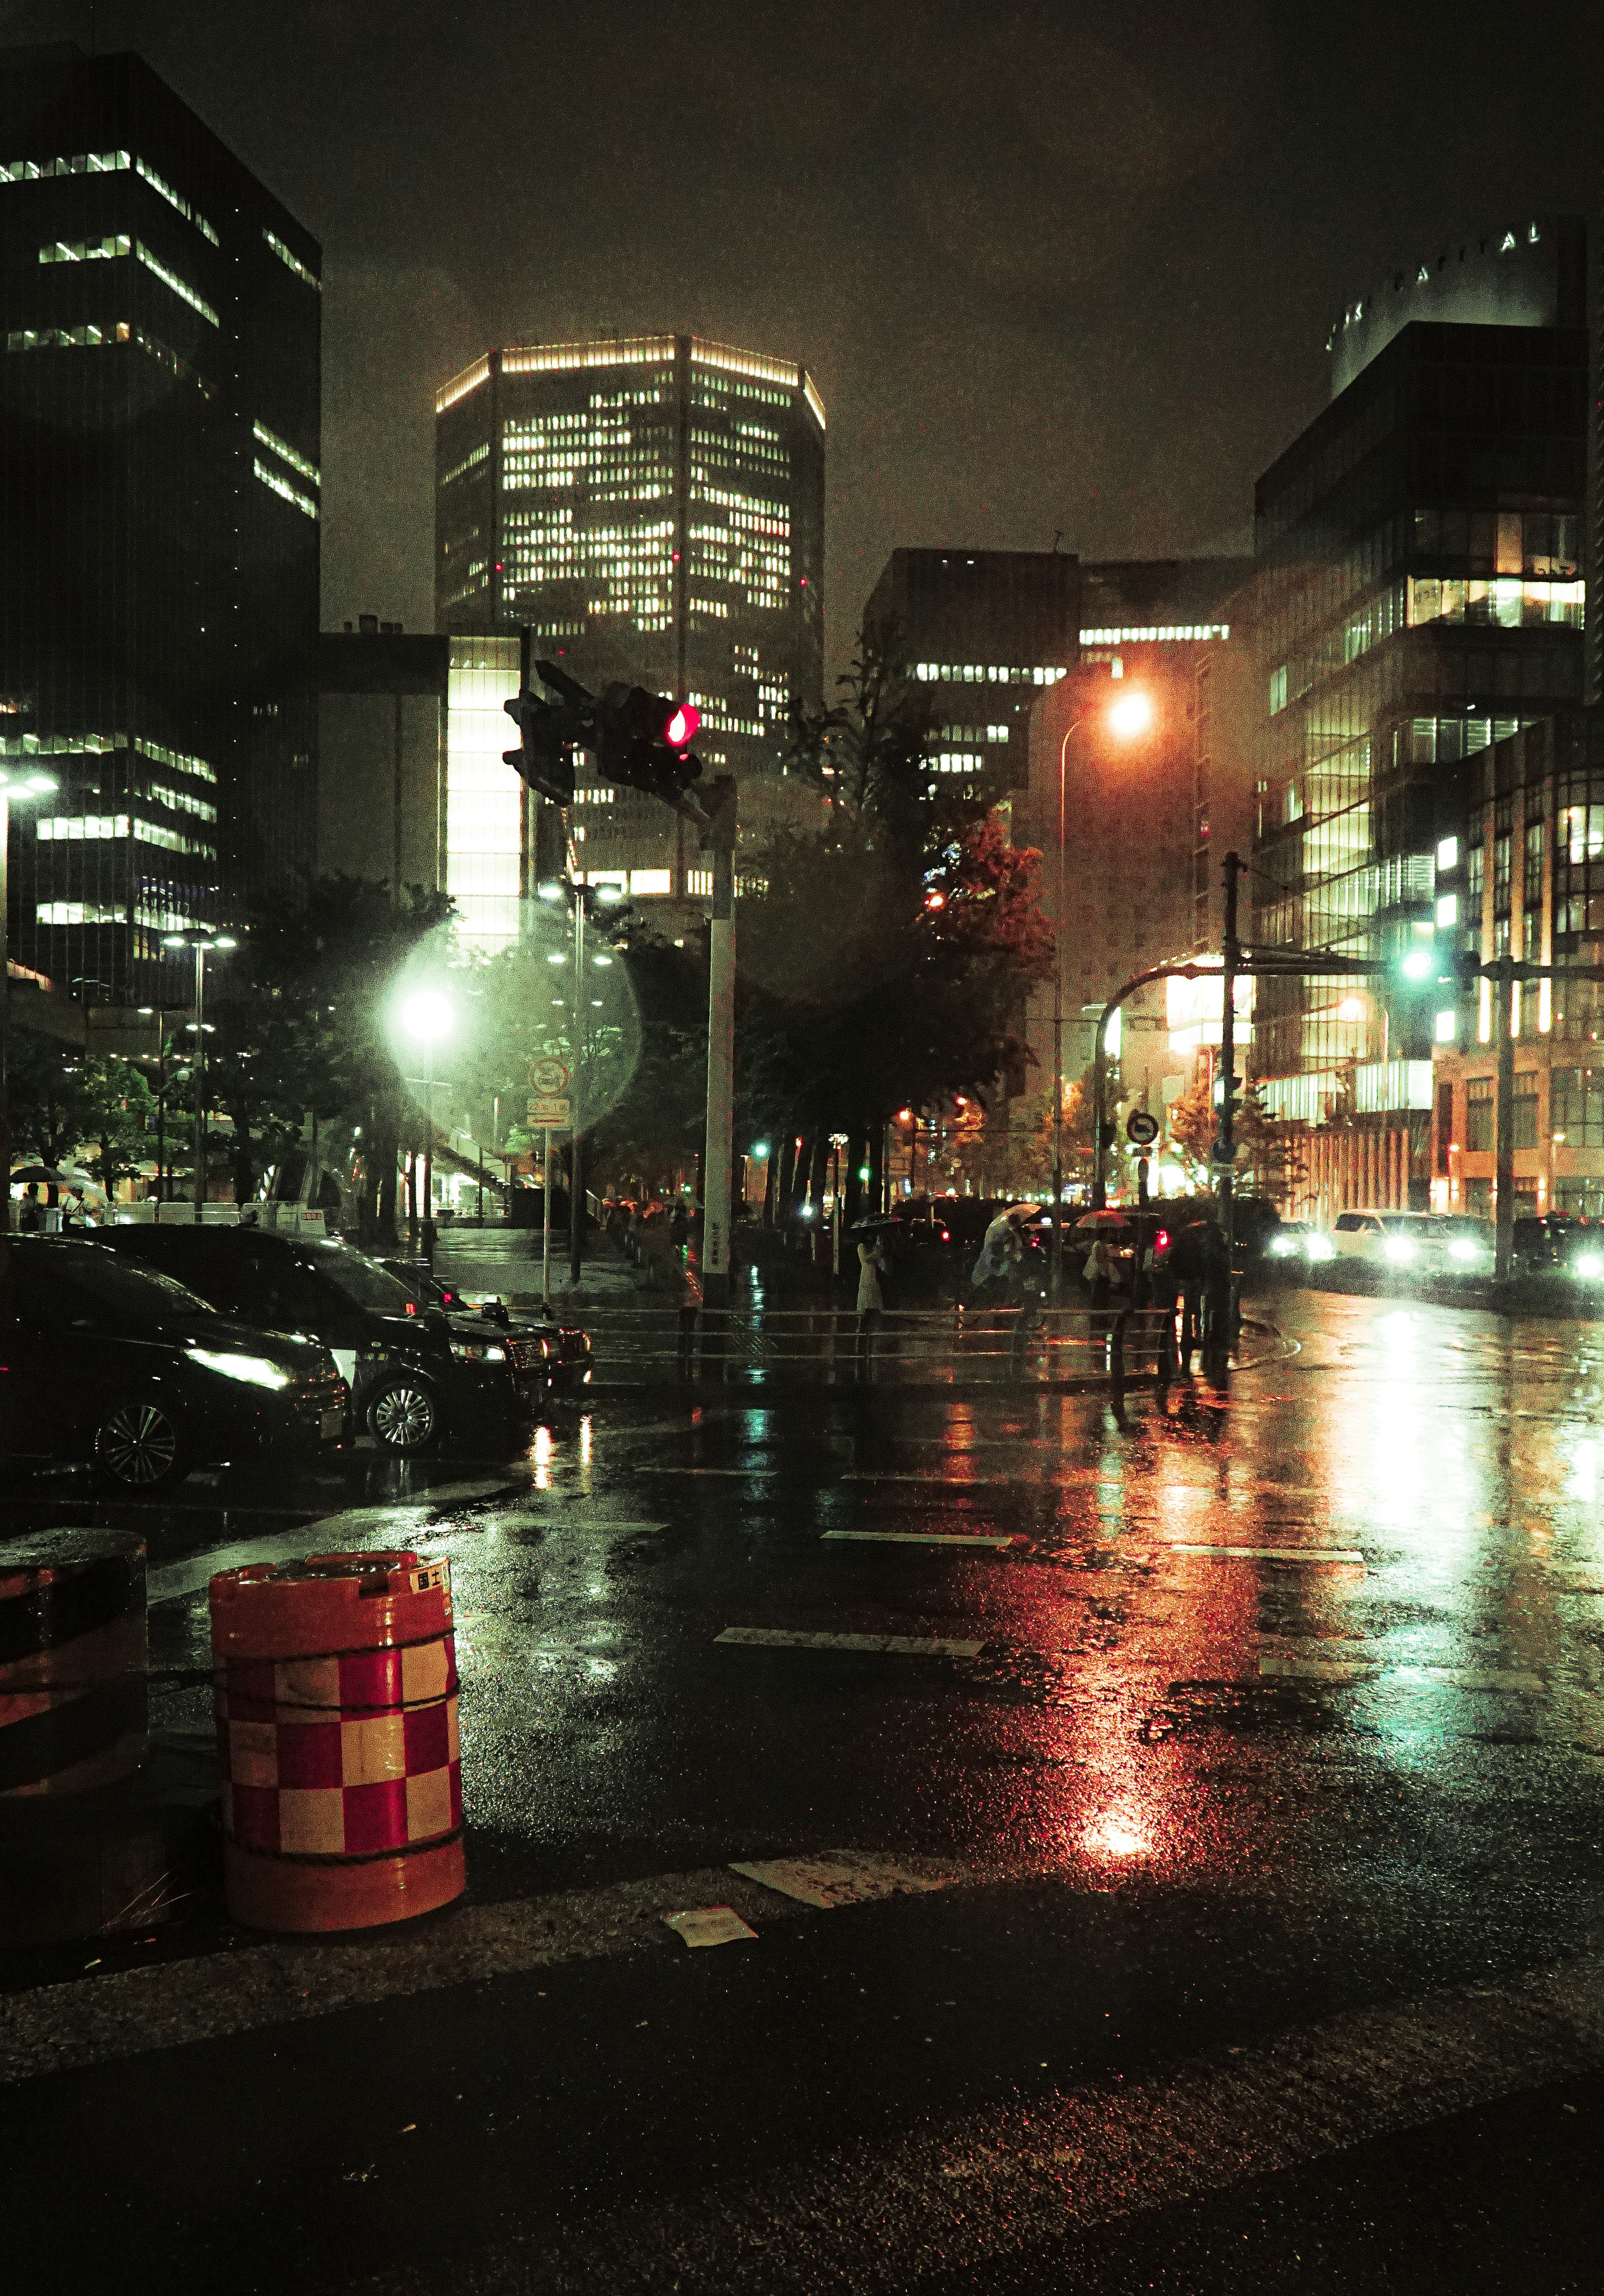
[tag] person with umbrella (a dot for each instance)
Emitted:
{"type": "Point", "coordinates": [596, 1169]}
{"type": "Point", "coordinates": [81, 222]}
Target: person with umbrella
{"type": "Point", "coordinates": [871, 1268]}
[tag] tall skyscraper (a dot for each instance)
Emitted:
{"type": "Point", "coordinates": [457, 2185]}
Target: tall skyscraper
{"type": "Point", "coordinates": [981, 633]}
{"type": "Point", "coordinates": [1418, 595]}
{"type": "Point", "coordinates": [159, 515]}
{"type": "Point", "coordinates": [650, 509]}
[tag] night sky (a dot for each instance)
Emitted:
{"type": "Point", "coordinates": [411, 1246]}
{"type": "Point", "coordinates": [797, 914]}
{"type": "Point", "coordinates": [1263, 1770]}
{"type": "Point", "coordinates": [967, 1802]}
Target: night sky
{"type": "Point", "coordinates": [1053, 267]}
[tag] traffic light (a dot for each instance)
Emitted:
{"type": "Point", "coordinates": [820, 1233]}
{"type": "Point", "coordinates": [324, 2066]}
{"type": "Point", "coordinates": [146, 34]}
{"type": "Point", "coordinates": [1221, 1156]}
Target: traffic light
{"type": "Point", "coordinates": [551, 731]}
{"type": "Point", "coordinates": [643, 741]}
{"type": "Point", "coordinates": [1108, 1132]}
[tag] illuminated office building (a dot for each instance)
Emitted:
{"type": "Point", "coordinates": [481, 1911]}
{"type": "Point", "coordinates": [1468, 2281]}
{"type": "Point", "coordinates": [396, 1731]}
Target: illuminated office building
{"type": "Point", "coordinates": [160, 514]}
{"type": "Point", "coordinates": [980, 633]}
{"type": "Point", "coordinates": [650, 509]}
{"type": "Point", "coordinates": [1418, 595]}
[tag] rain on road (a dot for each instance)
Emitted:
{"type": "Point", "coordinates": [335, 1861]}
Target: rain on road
{"type": "Point", "coordinates": [1170, 1849]}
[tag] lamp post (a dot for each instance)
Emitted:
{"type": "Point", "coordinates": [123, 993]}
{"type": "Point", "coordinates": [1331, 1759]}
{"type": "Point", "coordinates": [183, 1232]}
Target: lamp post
{"type": "Point", "coordinates": [582, 900]}
{"type": "Point", "coordinates": [204, 945]}
{"type": "Point", "coordinates": [1128, 717]}
{"type": "Point", "coordinates": [427, 1016]}
{"type": "Point", "coordinates": [20, 786]}
{"type": "Point", "coordinates": [159, 1013]}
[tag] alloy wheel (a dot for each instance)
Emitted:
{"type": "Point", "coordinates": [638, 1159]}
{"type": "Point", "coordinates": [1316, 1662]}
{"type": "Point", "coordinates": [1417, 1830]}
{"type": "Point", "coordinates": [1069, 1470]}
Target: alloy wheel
{"type": "Point", "coordinates": [137, 1444]}
{"type": "Point", "coordinates": [403, 1417]}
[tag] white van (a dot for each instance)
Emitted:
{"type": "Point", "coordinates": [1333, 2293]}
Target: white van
{"type": "Point", "coordinates": [1367, 1235]}
{"type": "Point", "coordinates": [1428, 1243]}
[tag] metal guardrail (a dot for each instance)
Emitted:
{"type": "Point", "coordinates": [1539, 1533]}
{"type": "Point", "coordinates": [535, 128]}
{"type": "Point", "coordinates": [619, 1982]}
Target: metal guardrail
{"type": "Point", "coordinates": [939, 1345]}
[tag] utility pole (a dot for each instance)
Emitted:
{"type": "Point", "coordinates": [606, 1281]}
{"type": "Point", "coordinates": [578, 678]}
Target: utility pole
{"type": "Point", "coordinates": [717, 1165]}
{"type": "Point", "coordinates": [576, 1196]}
{"type": "Point", "coordinates": [1504, 992]}
{"type": "Point", "coordinates": [1225, 1145]}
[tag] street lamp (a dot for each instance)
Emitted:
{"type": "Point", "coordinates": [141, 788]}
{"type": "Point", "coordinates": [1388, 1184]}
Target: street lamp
{"type": "Point", "coordinates": [21, 786]}
{"type": "Point", "coordinates": [427, 1016]}
{"type": "Point", "coordinates": [204, 945]}
{"type": "Point", "coordinates": [1128, 718]}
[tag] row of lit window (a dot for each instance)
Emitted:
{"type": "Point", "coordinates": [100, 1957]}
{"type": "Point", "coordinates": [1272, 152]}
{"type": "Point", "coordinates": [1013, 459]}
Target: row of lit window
{"type": "Point", "coordinates": [87, 250]}
{"type": "Point", "coordinates": [107, 163]}
{"type": "Point", "coordinates": [96, 745]}
{"type": "Point", "coordinates": [754, 506]}
{"type": "Point", "coordinates": [270, 439]}
{"type": "Point", "coordinates": [1159, 634]}
{"type": "Point", "coordinates": [974, 733]}
{"type": "Point", "coordinates": [972, 673]}
{"type": "Point", "coordinates": [277, 483]}
{"type": "Point", "coordinates": [957, 761]}
{"type": "Point", "coordinates": [75, 829]}
{"type": "Point", "coordinates": [293, 262]}
{"type": "Point", "coordinates": [110, 912]}
{"type": "Point", "coordinates": [469, 461]}
{"type": "Point", "coordinates": [717, 715]}
{"type": "Point", "coordinates": [716, 395]}
{"type": "Point", "coordinates": [181, 801]}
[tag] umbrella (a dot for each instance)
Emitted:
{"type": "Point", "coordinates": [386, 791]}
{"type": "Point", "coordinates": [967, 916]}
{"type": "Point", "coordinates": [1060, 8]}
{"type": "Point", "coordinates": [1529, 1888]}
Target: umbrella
{"type": "Point", "coordinates": [1022, 1211]}
{"type": "Point", "coordinates": [1107, 1218]}
{"type": "Point", "coordinates": [46, 1174]}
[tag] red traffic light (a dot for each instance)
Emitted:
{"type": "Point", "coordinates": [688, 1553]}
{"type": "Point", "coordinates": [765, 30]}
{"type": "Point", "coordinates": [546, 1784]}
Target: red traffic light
{"type": "Point", "coordinates": [680, 731]}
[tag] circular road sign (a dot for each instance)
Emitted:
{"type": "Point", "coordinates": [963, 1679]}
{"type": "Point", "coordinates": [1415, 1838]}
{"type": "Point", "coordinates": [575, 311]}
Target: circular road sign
{"type": "Point", "coordinates": [547, 1077]}
{"type": "Point", "coordinates": [1140, 1128]}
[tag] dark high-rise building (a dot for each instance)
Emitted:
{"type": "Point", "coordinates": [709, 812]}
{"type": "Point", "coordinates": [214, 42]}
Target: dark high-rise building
{"type": "Point", "coordinates": [159, 505]}
{"type": "Point", "coordinates": [381, 754]}
{"type": "Point", "coordinates": [1418, 595]}
{"type": "Point", "coordinates": [651, 509]}
{"type": "Point", "coordinates": [981, 633]}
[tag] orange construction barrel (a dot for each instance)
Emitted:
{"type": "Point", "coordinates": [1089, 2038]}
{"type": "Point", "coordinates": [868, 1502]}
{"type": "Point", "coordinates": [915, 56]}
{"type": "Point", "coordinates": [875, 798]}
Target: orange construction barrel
{"type": "Point", "coordinates": [74, 1693]}
{"type": "Point", "coordinates": [336, 1703]}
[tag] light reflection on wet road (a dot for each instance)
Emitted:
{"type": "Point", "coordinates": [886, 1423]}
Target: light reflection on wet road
{"type": "Point", "coordinates": [1422, 1726]}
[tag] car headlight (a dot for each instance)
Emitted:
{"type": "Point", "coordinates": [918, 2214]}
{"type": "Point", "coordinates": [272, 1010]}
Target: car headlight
{"type": "Point", "coordinates": [479, 1350]}
{"type": "Point", "coordinates": [1281, 1247]}
{"type": "Point", "coordinates": [1461, 1250]}
{"type": "Point", "coordinates": [1320, 1247]}
{"type": "Point", "coordinates": [256, 1371]}
{"type": "Point", "coordinates": [1590, 1263]}
{"type": "Point", "coordinates": [1398, 1248]}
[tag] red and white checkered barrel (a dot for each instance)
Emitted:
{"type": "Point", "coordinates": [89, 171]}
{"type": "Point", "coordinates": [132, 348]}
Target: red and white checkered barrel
{"type": "Point", "coordinates": [336, 1703]}
{"type": "Point", "coordinates": [73, 1688]}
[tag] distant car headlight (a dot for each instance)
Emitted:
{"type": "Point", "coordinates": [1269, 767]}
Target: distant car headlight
{"type": "Point", "coordinates": [1588, 1265]}
{"type": "Point", "coordinates": [479, 1350]}
{"type": "Point", "coordinates": [1462, 1249]}
{"type": "Point", "coordinates": [256, 1371]}
{"type": "Point", "coordinates": [1398, 1248]}
{"type": "Point", "coordinates": [1282, 1247]}
{"type": "Point", "coordinates": [1319, 1247]}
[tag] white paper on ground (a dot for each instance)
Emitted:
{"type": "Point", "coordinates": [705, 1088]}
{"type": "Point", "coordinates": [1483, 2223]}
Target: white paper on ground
{"type": "Point", "coordinates": [710, 1925]}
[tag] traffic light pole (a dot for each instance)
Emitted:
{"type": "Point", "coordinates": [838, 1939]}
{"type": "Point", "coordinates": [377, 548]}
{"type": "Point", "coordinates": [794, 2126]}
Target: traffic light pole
{"type": "Point", "coordinates": [1225, 1146]}
{"type": "Point", "coordinates": [1504, 992]}
{"type": "Point", "coordinates": [576, 1187]}
{"type": "Point", "coordinates": [717, 1163]}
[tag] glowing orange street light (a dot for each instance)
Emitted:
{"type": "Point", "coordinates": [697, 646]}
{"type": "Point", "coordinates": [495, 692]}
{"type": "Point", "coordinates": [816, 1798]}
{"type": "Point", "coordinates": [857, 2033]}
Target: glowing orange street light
{"type": "Point", "coordinates": [1131, 715]}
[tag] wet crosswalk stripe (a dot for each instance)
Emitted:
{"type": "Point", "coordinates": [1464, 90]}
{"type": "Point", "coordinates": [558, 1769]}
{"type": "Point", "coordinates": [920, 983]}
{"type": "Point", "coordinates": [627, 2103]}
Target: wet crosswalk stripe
{"type": "Point", "coordinates": [927, 1538]}
{"type": "Point", "coordinates": [1518, 1679]}
{"type": "Point", "coordinates": [1270, 1553]}
{"type": "Point", "coordinates": [841, 1879]}
{"type": "Point", "coordinates": [897, 1645]}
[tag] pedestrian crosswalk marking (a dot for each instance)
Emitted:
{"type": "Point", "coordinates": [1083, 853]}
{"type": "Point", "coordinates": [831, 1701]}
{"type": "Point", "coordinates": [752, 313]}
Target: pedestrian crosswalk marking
{"type": "Point", "coordinates": [900, 1645]}
{"type": "Point", "coordinates": [1270, 1553]}
{"type": "Point", "coordinates": [844, 1880]}
{"type": "Point", "coordinates": [926, 1537]}
{"type": "Point", "coordinates": [1453, 1678]}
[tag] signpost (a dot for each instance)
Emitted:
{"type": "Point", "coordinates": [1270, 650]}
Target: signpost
{"type": "Point", "coordinates": [550, 1107]}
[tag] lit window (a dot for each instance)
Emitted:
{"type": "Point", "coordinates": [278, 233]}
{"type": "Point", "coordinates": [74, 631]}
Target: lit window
{"type": "Point", "coordinates": [1448, 853]}
{"type": "Point", "coordinates": [1448, 908]}
{"type": "Point", "coordinates": [1448, 1025]}
{"type": "Point", "coordinates": [292, 263]}
{"type": "Point", "coordinates": [1278, 689]}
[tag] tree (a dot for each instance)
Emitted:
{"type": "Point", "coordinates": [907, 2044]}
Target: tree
{"type": "Point", "coordinates": [1268, 1153]}
{"type": "Point", "coordinates": [49, 1099]}
{"type": "Point", "coordinates": [120, 1112]}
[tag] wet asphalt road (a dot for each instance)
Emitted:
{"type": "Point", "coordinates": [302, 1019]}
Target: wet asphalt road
{"type": "Point", "coordinates": [1264, 1948]}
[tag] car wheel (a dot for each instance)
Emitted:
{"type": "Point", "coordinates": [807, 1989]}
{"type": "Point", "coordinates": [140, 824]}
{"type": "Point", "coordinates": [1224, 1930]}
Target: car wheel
{"type": "Point", "coordinates": [404, 1416]}
{"type": "Point", "coordinates": [138, 1445]}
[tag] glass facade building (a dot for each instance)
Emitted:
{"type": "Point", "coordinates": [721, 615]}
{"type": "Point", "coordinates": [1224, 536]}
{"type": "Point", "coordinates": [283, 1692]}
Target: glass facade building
{"type": "Point", "coordinates": [159, 409]}
{"type": "Point", "coordinates": [1418, 595]}
{"type": "Point", "coordinates": [650, 509]}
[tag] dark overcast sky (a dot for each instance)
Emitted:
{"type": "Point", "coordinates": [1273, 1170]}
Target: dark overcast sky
{"type": "Point", "coordinates": [1053, 267]}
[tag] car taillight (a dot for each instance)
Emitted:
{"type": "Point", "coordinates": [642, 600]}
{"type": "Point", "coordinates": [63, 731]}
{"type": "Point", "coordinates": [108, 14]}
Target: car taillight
{"type": "Point", "coordinates": [945, 1237]}
{"type": "Point", "coordinates": [1161, 1241]}
{"type": "Point", "coordinates": [412, 1307]}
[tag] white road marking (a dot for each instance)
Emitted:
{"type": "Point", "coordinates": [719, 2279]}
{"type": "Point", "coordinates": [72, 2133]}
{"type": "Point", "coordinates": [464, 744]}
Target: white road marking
{"type": "Point", "coordinates": [843, 1879]}
{"type": "Point", "coordinates": [710, 1925]}
{"type": "Point", "coordinates": [1454, 1678]}
{"type": "Point", "coordinates": [926, 1537]}
{"type": "Point", "coordinates": [1270, 1553]}
{"type": "Point", "coordinates": [908, 1645]}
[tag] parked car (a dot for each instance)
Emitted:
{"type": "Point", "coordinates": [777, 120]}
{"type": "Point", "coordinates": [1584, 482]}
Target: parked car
{"type": "Point", "coordinates": [565, 1357]}
{"type": "Point", "coordinates": [1419, 1244]}
{"type": "Point", "coordinates": [1559, 1244]}
{"type": "Point", "coordinates": [103, 1360]}
{"type": "Point", "coordinates": [417, 1375]}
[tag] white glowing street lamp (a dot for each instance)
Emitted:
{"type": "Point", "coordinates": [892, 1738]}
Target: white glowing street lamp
{"type": "Point", "coordinates": [204, 944]}
{"type": "Point", "coordinates": [428, 1017]}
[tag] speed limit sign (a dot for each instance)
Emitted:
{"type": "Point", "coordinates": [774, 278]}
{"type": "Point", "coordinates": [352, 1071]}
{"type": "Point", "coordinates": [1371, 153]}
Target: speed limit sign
{"type": "Point", "coordinates": [547, 1077]}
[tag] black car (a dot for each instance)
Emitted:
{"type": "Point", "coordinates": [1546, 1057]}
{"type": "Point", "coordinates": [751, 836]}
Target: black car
{"type": "Point", "coordinates": [417, 1375]}
{"type": "Point", "coordinates": [102, 1360]}
{"type": "Point", "coordinates": [561, 1352]}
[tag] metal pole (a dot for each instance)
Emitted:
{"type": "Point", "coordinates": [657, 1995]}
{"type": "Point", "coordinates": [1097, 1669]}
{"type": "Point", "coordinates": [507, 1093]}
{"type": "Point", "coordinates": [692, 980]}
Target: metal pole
{"type": "Point", "coordinates": [721, 1061]}
{"type": "Point", "coordinates": [1056, 1284]}
{"type": "Point", "coordinates": [1099, 1096]}
{"type": "Point", "coordinates": [1503, 996]}
{"type": "Point", "coordinates": [1225, 1149]}
{"type": "Point", "coordinates": [545, 1225]}
{"type": "Point", "coordinates": [576, 1200]}
{"type": "Point", "coordinates": [4, 1014]}
{"type": "Point", "coordinates": [199, 1075]}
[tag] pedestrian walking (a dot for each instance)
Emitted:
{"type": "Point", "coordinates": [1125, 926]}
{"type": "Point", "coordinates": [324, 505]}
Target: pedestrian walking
{"type": "Point", "coordinates": [871, 1300]}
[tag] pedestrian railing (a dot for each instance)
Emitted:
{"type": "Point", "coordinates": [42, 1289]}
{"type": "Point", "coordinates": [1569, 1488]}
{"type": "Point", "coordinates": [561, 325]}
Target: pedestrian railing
{"type": "Point", "coordinates": [935, 1346]}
